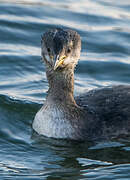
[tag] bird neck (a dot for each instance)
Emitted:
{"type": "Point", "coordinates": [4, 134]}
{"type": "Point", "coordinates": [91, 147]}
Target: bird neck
{"type": "Point", "coordinates": [61, 86]}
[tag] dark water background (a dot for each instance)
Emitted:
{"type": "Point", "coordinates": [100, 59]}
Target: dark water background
{"type": "Point", "coordinates": [104, 26]}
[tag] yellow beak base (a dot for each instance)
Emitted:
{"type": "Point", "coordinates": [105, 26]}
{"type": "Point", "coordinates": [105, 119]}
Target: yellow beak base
{"type": "Point", "coordinates": [59, 62]}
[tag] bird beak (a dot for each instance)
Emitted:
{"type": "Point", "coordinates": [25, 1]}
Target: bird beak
{"type": "Point", "coordinates": [58, 61]}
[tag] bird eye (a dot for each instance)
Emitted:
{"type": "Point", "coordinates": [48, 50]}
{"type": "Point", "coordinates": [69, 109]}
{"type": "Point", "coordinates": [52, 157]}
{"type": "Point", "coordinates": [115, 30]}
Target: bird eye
{"type": "Point", "coordinates": [68, 50]}
{"type": "Point", "coordinates": [48, 49]}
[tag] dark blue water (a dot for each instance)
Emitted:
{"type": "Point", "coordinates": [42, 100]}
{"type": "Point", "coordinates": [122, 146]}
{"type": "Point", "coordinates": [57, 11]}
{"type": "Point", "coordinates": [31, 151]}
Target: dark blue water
{"type": "Point", "coordinates": [104, 26]}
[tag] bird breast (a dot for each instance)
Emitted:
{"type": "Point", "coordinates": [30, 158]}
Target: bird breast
{"type": "Point", "coordinates": [50, 121]}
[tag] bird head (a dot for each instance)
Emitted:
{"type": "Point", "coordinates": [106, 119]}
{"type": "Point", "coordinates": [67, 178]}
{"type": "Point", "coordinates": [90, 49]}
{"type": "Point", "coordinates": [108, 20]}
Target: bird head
{"type": "Point", "coordinates": [60, 49]}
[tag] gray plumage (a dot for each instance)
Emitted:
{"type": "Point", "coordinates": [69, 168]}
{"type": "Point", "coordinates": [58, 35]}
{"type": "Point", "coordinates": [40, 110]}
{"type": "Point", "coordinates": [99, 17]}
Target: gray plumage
{"type": "Point", "coordinates": [99, 114]}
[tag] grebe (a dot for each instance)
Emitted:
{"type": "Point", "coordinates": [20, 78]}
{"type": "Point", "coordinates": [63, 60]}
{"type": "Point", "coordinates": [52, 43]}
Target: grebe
{"type": "Point", "coordinates": [102, 113]}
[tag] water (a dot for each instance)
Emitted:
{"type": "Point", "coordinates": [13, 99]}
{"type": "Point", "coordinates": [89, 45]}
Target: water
{"type": "Point", "coordinates": [104, 26]}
